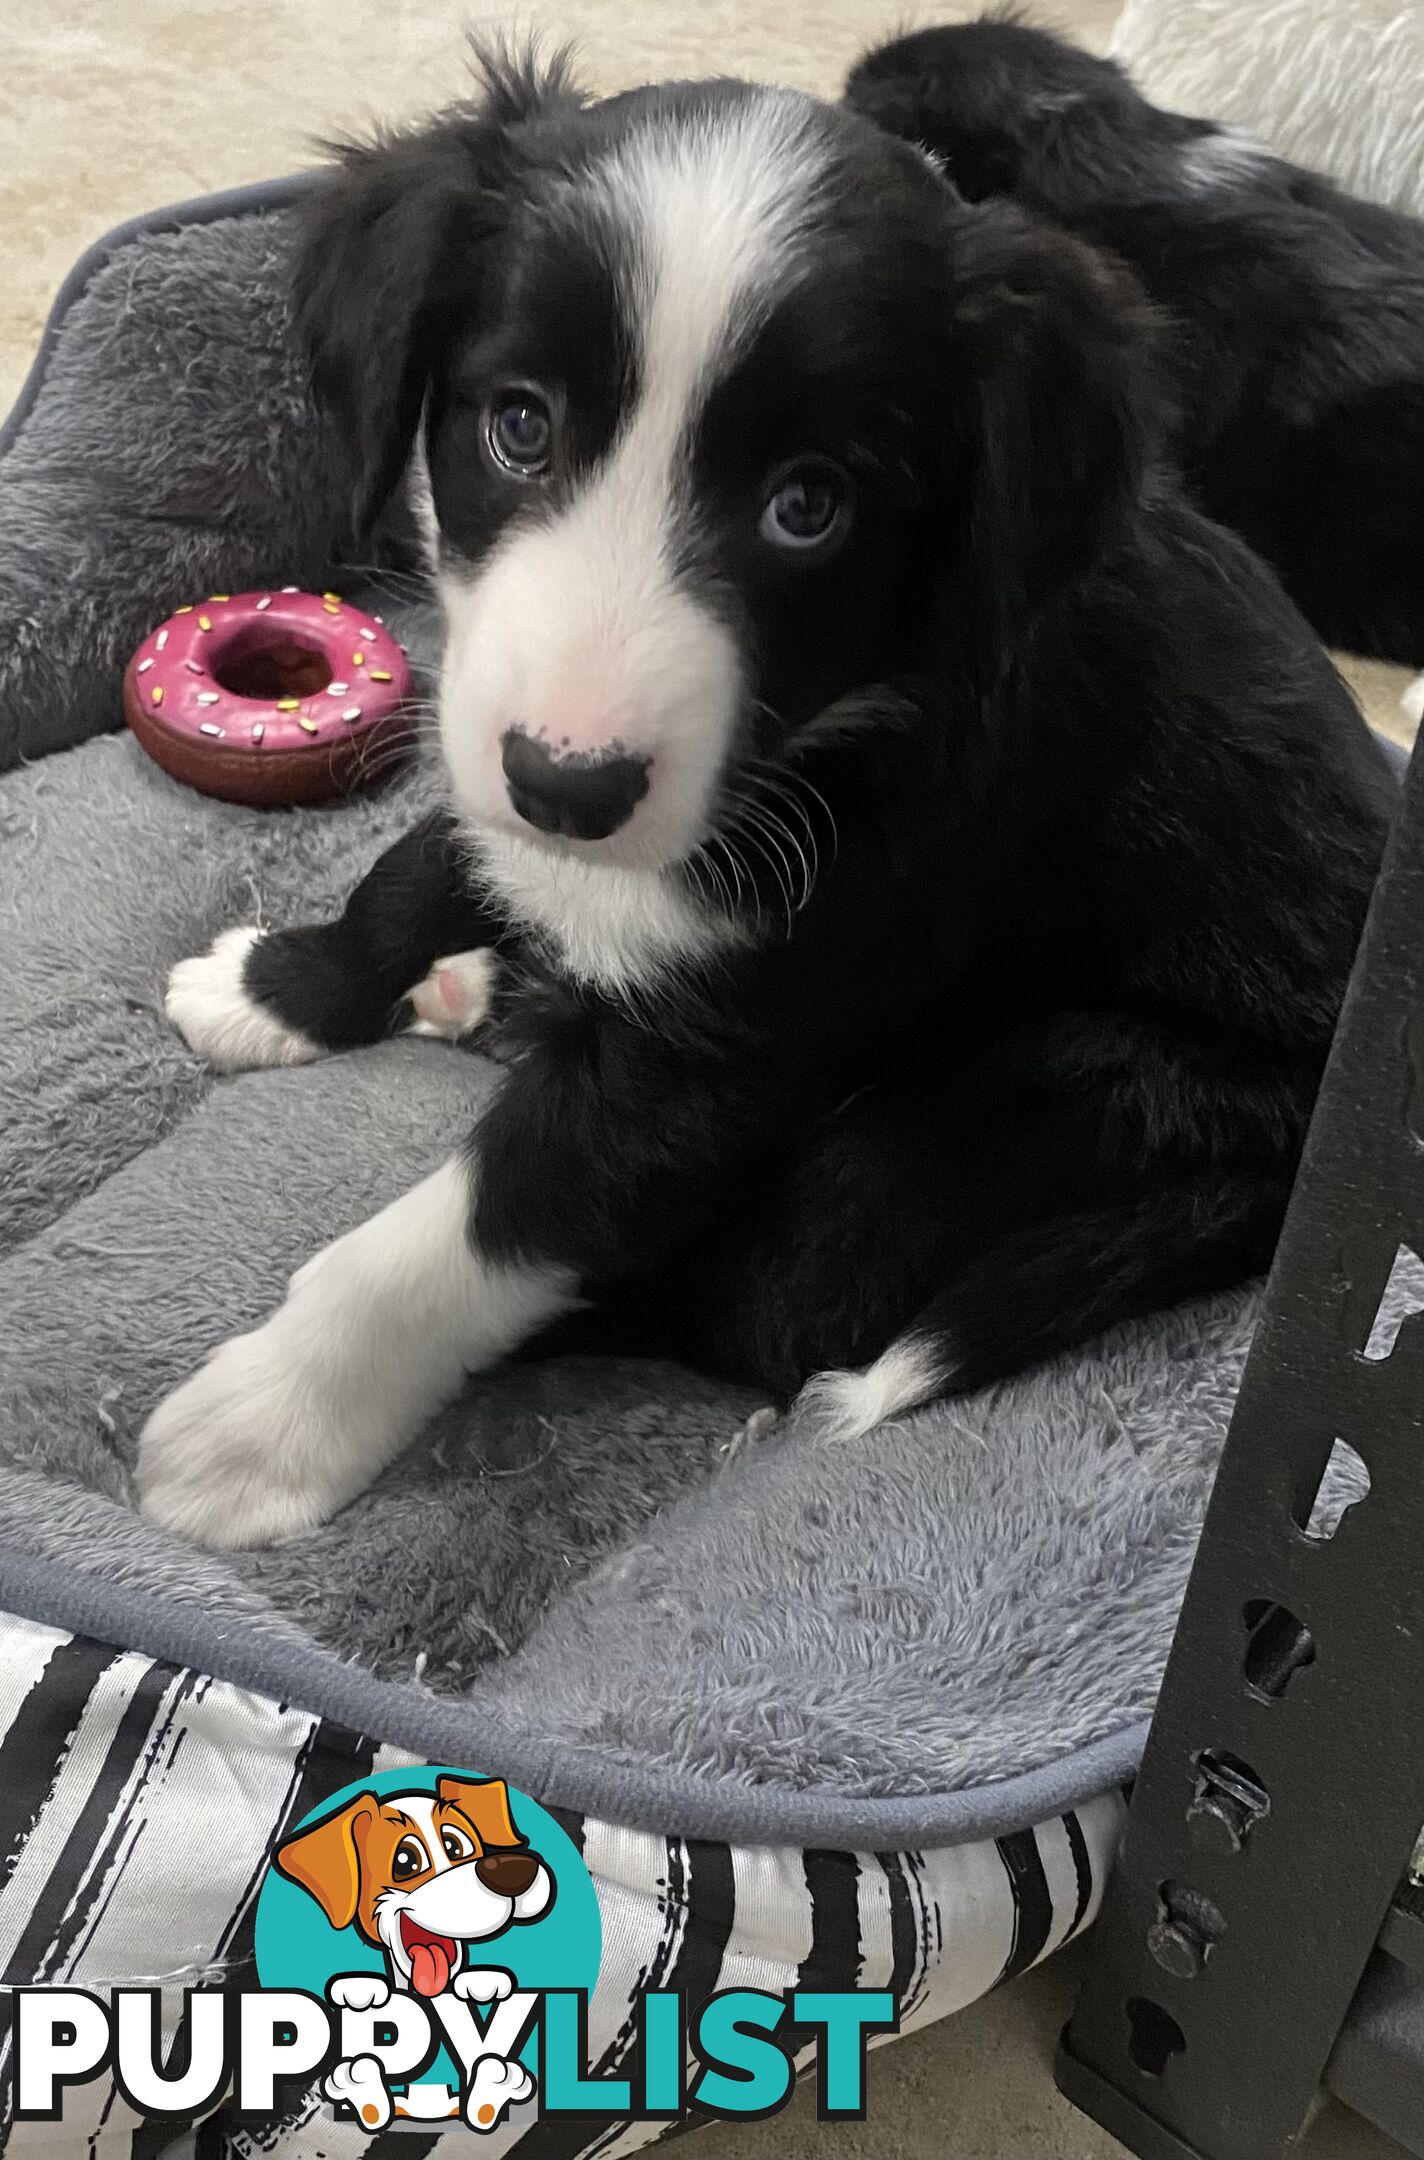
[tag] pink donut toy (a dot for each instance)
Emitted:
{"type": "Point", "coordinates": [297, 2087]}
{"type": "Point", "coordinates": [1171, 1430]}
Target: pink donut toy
{"type": "Point", "coordinates": [269, 698]}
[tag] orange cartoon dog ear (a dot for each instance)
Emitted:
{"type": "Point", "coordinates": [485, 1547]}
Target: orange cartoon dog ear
{"type": "Point", "coordinates": [324, 1860]}
{"type": "Point", "coordinates": [484, 1802]}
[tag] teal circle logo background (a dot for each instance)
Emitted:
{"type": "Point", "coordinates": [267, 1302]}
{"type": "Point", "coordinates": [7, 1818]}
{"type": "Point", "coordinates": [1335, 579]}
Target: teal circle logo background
{"type": "Point", "coordinates": [297, 1947]}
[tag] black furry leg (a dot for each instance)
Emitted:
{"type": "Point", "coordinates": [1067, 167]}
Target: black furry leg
{"type": "Point", "coordinates": [1046, 1290]}
{"type": "Point", "coordinates": [1076, 1176]}
{"type": "Point", "coordinates": [345, 982]}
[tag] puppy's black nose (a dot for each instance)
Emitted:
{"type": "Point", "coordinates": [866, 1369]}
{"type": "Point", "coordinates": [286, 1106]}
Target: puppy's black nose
{"type": "Point", "coordinates": [508, 1874]}
{"type": "Point", "coordinates": [581, 797]}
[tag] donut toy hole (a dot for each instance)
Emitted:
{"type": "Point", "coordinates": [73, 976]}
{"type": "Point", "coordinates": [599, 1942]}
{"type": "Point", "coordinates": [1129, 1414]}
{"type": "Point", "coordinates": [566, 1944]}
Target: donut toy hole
{"type": "Point", "coordinates": [268, 664]}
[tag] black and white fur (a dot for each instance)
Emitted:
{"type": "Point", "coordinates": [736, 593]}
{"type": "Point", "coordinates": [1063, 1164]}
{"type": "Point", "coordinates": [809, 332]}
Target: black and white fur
{"type": "Point", "coordinates": [1296, 355]}
{"type": "Point", "coordinates": [955, 975]}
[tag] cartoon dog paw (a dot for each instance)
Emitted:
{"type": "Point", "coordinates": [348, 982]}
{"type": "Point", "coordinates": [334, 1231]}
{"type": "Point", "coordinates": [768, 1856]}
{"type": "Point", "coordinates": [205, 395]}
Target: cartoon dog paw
{"type": "Point", "coordinates": [495, 2086]}
{"type": "Point", "coordinates": [360, 2085]}
{"type": "Point", "coordinates": [483, 1984]}
{"type": "Point", "coordinates": [359, 1991]}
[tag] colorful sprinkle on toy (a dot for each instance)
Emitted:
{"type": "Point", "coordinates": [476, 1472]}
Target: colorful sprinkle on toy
{"type": "Point", "coordinates": [309, 725]}
{"type": "Point", "coordinates": [358, 659]}
{"type": "Point", "coordinates": [206, 727]}
{"type": "Point", "coordinates": [207, 697]}
{"type": "Point", "coordinates": [156, 693]}
{"type": "Point", "coordinates": [193, 668]}
{"type": "Point", "coordinates": [288, 704]}
{"type": "Point", "coordinates": [205, 622]}
{"type": "Point", "coordinates": [337, 689]}
{"type": "Point", "coordinates": [144, 666]}
{"type": "Point", "coordinates": [379, 674]}
{"type": "Point", "coordinates": [264, 603]}
{"type": "Point", "coordinates": [258, 731]}
{"type": "Point", "coordinates": [352, 712]}
{"type": "Point", "coordinates": [160, 641]}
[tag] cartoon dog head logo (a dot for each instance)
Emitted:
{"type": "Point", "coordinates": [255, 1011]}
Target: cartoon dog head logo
{"type": "Point", "coordinates": [422, 1875]}
{"type": "Point", "coordinates": [430, 1911]}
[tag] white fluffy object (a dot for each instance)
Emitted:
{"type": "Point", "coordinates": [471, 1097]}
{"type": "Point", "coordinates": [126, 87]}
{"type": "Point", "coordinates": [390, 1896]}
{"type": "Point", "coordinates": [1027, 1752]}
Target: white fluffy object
{"type": "Point", "coordinates": [1337, 85]}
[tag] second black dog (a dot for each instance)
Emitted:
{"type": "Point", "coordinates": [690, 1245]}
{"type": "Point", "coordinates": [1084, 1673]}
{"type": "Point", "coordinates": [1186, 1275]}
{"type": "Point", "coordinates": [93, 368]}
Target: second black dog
{"type": "Point", "coordinates": [1298, 353]}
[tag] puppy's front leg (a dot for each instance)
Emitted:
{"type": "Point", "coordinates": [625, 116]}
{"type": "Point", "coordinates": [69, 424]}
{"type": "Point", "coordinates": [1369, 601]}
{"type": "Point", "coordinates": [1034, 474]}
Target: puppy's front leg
{"type": "Point", "coordinates": [283, 1426]}
{"type": "Point", "coordinates": [282, 997]}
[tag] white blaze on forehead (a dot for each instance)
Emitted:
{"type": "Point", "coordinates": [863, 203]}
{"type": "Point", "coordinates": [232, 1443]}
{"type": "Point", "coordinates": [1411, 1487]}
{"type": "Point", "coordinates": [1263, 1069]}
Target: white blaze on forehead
{"type": "Point", "coordinates": [579, 629]}
{"type": "Point", "coordinates": [702, 224]}
{"type": "Point", "coordinates": [713, 207]}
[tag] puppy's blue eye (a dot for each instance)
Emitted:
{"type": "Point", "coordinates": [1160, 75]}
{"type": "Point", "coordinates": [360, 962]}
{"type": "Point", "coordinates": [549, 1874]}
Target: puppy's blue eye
{"type": "Point", "coordinates": [519, 429]}
{"type": "Point", "coordinates": [808, 505]}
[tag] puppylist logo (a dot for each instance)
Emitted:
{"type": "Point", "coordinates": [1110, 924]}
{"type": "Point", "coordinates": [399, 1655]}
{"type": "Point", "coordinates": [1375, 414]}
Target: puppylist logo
{"type": "Point", "coordinates": [426, 1946]}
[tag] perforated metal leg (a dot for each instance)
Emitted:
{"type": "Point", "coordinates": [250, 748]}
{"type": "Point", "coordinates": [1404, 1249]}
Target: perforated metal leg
{"type": "Point", "coordinates": [1283, 1785]}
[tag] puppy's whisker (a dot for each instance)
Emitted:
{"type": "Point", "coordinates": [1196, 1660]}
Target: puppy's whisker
{"type": "Point", "coordinates": [742, 881]}
{"type": "Point", "coordinates": [409, 584]}
{"type": "Point", "coordinates": [786, 779]}
{"type": "Point", "coordinates": [783, 839]}
{"type": "Point", "coordinates": [759, 815]}
{"type": "Point", "coordinates": [781, 794]}
{"type": "Point", "coordinates": [701, 865]}
{"type": "Point", "coordinates": [376, 758]}
{"type": "Point", "coordinates": [733, 865]}
{"type": "Point", "coordinates": [777, 862]}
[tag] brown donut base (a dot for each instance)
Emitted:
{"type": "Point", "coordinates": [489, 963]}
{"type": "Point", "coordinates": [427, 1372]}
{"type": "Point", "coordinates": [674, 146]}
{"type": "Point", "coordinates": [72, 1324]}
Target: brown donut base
{"type": "Point", "coordinates": [238, 772]}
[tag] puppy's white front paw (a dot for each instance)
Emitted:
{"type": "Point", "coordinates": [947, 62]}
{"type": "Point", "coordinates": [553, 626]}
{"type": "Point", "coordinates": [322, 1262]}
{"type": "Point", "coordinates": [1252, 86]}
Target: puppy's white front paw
{"type": "Point", "coordinates": [455, 997]}
{"type": "Point", "coordinates": [495, 2085]}
{"type": "Point", "coordinates": [209, 1004]}
{"type": "Point", "coordinates": [360, 2085]}
{"type": "Point", "coordinates": [260, 1445]}
{"type": "Point", "coordinates": [282, 1427]}
{"type": "Point", "coordinates": [1412, 702]}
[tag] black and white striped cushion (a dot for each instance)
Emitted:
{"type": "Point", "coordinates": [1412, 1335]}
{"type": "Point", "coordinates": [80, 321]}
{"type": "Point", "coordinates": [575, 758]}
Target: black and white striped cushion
{"type": "Point", "coordinates": [140, 1803]}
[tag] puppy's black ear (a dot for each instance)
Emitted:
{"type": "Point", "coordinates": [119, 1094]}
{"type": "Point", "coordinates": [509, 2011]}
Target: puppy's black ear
{"type": "Point", "coordinates": [384, 241]}
{"type": "Point", "coordinates": [1058, 437]}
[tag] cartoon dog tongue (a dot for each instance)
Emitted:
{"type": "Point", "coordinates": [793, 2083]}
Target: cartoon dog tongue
{"type": "Point", "coordinates": [431, 1960]}
{"type": "Point", "coordinates": [429, 1968]}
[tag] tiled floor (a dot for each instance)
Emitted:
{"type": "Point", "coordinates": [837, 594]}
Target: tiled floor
{"type": "Point", "coordinates": [112, 106]}
{"type": "Point", "coordinates": [980, 2087]}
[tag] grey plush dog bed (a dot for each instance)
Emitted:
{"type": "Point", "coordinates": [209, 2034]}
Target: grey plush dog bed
{"type": "Point", "coordinates": [925, 1645]}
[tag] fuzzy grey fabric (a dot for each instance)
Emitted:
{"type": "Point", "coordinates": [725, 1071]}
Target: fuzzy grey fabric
{"type": "Point", "coordinates": [579, 1549]}
{"type": "Point", "coordinates": [171, 449]}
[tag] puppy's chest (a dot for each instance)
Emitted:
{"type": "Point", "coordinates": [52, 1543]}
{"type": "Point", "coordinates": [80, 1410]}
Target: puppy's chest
{"type": "Point", "coordinates": [598, 926]}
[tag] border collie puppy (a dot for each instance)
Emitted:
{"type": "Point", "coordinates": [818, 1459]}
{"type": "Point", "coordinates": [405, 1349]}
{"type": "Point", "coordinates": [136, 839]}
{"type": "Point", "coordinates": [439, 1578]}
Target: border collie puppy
{"type": "Point", "coordinates": [1297, 352]}
{"type": "Point", "coordinates": [923, 858]}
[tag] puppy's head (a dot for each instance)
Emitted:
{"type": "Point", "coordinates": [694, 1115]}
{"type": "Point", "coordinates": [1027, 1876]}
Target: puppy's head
{"type": "Point", "coordinates": [716, 393]}
{"type": "Point", "coordinates": [998, 101]}
{"type": "Point", "coordinates": [421, 1874]}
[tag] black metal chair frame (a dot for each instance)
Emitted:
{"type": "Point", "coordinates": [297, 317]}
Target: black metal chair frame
{"type": "Point", "coordinates": [1282, 1789]}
